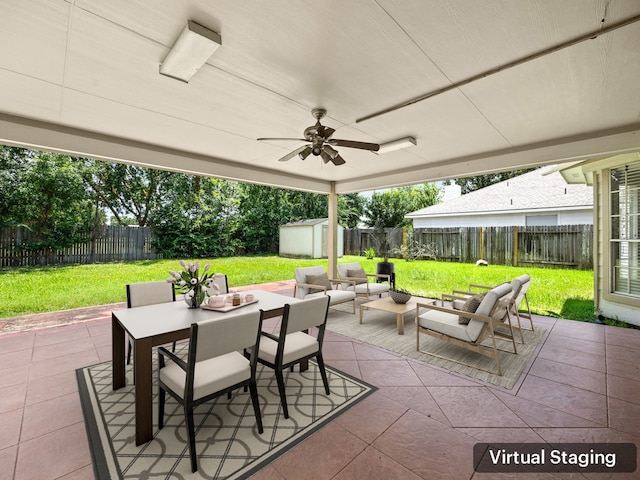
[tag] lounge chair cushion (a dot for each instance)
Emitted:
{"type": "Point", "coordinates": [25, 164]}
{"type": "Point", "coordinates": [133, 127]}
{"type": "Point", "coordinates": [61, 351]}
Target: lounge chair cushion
{"type": "Point", "coordinates": [358, 275]}
{"type": "Point", "coordinates": [447, 324]}
{"type": "Point", "coordinates": [320, 280]}
{"type": "Point", "coordinates": [374, 288]}
{"type": "Point", "coordinates": [336, 296]}
{"type": "Point", "coordinates": [471, 305]}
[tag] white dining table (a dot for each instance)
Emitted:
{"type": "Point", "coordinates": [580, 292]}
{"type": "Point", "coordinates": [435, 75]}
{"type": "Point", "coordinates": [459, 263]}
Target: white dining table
{"type": "Point", "coordinates": [153, 325]}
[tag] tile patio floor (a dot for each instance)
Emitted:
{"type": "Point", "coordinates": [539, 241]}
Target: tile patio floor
{"type": "Point", "coordinates": [582, 386]}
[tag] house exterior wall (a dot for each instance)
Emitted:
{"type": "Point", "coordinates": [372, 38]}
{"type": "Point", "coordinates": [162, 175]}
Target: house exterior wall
{"type": "Point", "coordinates": [566, 217]}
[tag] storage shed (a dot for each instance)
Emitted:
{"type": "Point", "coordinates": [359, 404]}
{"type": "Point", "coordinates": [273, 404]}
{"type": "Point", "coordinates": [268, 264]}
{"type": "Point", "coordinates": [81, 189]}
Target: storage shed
{"type": "Point", "coordinates": [308, 239]}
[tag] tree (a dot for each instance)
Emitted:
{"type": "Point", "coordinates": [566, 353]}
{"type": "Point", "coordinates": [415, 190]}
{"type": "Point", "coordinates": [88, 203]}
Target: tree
{"type": "Point", "coordinates": [125, 190]}
{"type": "Point", "coordinates": [49, 198]}
{"type": "Point", "coordinates": [350, 209]}
{"type": "Point", "coordinates": [387, 209]}
{"type": "Point", "coordinates": [469, 184]}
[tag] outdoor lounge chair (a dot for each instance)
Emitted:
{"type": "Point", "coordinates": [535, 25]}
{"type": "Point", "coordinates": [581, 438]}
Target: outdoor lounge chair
{"type": "Point", "coordinates": [354, 272]}
{"type": "Point", "coordinates": [444, 323]}
{"type": "Point", "coordinates": [214, 367]}
{"type": "Point", "coordinates": [519, 287]}
{"type": "Point", "coordinates": [314, 282]}
{"type": "Point", "coordinates": [293, 344]}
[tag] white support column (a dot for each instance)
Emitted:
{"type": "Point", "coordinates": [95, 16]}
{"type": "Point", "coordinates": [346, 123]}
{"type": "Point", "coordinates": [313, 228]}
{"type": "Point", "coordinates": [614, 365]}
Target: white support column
{"type": "Point", "coordinates": [332, 251]}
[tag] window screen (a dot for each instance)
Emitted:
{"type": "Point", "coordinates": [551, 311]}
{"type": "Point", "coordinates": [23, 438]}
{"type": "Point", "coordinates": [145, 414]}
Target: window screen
{"type": "Point", "coordinates": [625, 229]}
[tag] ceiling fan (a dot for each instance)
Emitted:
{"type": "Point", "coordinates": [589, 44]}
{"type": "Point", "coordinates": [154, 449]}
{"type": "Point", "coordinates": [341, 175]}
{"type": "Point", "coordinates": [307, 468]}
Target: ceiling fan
{"type": "Point", "coordinates": [319, 142]}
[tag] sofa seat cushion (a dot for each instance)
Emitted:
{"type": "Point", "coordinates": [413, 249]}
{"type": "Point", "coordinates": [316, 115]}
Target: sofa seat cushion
{"type": "Point", "coordinates": [336, 296]}
{"type": "Point", "coordinates": [447, 324]}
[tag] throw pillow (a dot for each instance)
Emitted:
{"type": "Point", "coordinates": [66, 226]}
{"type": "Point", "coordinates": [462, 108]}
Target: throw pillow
{"type": "Point", "coordinates": [320, 280]}
{"type": "Point", "coordinates": [358, 275]}
{"type": "Point", "coordinates": [471, 305]}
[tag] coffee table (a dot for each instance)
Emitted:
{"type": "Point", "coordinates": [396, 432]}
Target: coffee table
{"type": "Point", "coordinates": [386, 304]}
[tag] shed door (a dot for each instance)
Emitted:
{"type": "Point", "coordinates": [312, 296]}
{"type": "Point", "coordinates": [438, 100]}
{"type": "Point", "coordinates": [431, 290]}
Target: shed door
{"type": "Point", "coordinates": [325, 241]}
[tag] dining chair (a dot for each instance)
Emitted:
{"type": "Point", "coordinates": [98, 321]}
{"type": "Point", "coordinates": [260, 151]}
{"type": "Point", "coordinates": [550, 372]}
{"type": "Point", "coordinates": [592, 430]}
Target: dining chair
{"type": "Point", "coordinates": [221, 281]}
{"type": "Point", "coordinates": [293, 344]}
{"type": "Point", "coordinates": [214, 366]}
{"type": "Point", "coordinates": [148, 293]}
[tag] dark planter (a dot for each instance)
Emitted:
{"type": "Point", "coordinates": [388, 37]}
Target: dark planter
{"type": "Point", "coordinates": [387, 268]}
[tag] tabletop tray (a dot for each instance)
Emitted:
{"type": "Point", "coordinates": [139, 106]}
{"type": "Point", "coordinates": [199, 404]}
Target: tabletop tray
{"type": "Point", "coordinates": [228, 308]}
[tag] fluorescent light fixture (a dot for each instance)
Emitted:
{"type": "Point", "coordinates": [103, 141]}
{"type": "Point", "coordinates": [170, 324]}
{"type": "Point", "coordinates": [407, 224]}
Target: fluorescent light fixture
{"type": "Point", "coordinates": [398, 144]}
{"type": "Point", "coordinates": [190, 52]}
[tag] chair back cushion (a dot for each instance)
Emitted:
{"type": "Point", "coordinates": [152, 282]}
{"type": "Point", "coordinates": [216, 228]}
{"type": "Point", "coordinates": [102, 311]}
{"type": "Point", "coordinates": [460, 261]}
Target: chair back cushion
{"type": "Point", "coordinates": [489, 307]}
{"type": "Point", "coordinates": [227, 334]}
{"type": "Point", "coordinates": [149, 293]}
{"type": "Point", "coordinates": [307, 313]}
{"type": "Point", "coordinates": [520, 285]}
{"type": "Point", "coordinates": [301, 277]}
{"type": "Point", "coordinates": [343, 271]}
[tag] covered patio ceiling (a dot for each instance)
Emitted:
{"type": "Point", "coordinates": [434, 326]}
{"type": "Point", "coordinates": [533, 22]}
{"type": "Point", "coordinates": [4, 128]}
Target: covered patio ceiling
{"type": "Point", "coordinates": [515, 84]}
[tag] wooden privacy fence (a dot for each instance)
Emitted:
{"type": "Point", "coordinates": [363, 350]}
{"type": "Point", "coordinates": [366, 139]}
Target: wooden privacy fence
{"type": "Point", "coordinates": [566, 246]}
{"type": "Point", "coordinates": [107, 244]}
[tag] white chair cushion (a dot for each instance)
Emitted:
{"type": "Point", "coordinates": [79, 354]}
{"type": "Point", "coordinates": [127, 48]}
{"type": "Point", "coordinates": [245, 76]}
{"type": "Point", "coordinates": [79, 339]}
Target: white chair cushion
{"type": "Point", "coordinates": [445, 323]}
{"type": "Point", "coordinates": [336, 296]}
{"type": "Point", "coordinates": [374, 288]}
{"type": "Point", "coordinates": [211, 375]}
{"type": "Point", "coordinates": [297, 345]}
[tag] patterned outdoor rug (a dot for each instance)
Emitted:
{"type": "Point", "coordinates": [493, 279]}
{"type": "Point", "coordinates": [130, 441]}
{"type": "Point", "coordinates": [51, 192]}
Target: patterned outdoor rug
{"type": "Point", "coordinates": [379, 329]}
{"type": "Point", "coordinates": [227, 439]}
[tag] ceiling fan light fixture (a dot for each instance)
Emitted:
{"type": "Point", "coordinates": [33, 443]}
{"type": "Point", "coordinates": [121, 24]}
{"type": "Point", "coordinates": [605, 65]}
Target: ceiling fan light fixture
{"type": "Point", "coordinates": [326, 158]}
{"type": "Point", "coordinates": [333, 153]}
{"type": "Point", "coordinates": [192, 49]}
{"type": "Point", "coordinates": [398, 144]}
{"type": "Point", "coordinates": [305, 153]}
{"type": "Point", "coordinates": [317, 150]}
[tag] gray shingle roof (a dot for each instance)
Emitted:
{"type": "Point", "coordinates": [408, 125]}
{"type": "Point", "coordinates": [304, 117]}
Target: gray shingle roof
{"type": "Point", "coordinates": [531, 191]}
{"type": "Point", "coordinates": [310, 221]}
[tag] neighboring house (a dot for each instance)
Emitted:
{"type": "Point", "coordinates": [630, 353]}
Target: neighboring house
{"type": "Point", "coordinates": [308, 239]}
{"type": "Point", "coordinates": [540, 197]}
{"type": "Point", "coordinates": [616, 186]}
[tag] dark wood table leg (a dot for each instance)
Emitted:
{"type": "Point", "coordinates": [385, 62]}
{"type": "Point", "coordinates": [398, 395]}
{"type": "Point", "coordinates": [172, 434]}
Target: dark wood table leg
{"type": "Point", "coordinates": [142, 365]}
{"type": "Point", "coordinates": [117, 354]}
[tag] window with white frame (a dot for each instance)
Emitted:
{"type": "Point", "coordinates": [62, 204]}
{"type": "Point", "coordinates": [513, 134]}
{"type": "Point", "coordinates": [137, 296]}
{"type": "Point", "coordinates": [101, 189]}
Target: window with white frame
{"type": "Point", "coordinates": [625, 229]}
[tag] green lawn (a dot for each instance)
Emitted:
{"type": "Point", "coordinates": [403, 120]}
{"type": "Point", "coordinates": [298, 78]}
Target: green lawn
{"type": "Point", "coordinates": [553, 292]}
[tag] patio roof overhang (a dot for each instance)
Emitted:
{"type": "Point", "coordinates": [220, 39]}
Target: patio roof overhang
{"type": "Point", "coordinates": [482, 88]}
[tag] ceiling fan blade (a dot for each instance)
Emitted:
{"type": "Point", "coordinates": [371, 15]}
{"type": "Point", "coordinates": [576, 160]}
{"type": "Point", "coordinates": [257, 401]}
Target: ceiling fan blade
{"type": "Point", "coordinates": [338, 160]}
{"type": "Point", "coordinates": [289, 156]}
{"type": "Point", "coordinates": [325, 132]}
{"type": "Point", "coordinates": [374, 147]}
{"type": "Point", "coordinates": [283, 139]}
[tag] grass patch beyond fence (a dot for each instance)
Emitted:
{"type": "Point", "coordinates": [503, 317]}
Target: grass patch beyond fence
{"type": "Point", "coordinates": [553, 292]}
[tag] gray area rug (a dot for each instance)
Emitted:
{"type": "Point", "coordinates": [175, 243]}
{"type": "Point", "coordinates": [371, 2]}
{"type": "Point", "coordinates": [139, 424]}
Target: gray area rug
{"type": "Point", "coordinates": [227, 439]}
{"type": "Point", "coordinates": [379, 329]}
